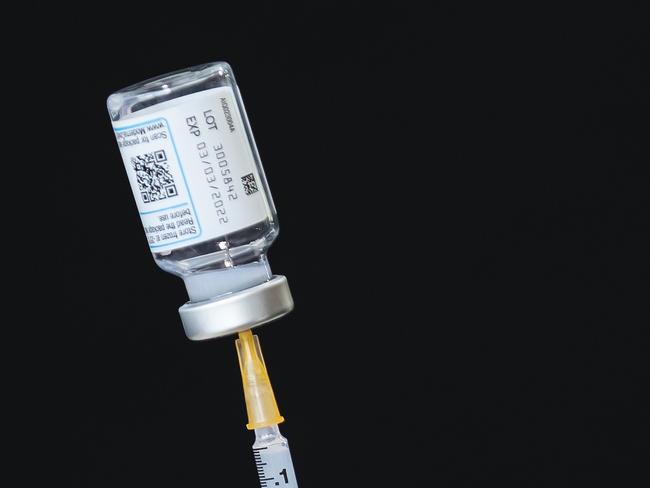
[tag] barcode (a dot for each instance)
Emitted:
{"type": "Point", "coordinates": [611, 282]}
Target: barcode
{"type": "Point", "coordinates": [250, 185]}
{"type": "Point", "coordinates": [154, 178]}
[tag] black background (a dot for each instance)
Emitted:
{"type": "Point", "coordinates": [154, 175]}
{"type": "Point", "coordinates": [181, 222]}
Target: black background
{"type": "Point", "coordinates": [462, 194]}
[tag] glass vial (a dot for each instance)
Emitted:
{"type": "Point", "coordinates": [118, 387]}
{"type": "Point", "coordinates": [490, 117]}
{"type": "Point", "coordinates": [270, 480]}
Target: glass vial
{"type": "Point", "coordinates": [197, 179]}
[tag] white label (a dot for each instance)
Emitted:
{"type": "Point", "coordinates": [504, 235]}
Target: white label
{"type": "Point", "coordinates": [191, 169]}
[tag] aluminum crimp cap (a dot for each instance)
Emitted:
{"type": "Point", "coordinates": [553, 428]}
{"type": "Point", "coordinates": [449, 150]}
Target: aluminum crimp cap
{"type": "Point", "coordinates": [237, 311]}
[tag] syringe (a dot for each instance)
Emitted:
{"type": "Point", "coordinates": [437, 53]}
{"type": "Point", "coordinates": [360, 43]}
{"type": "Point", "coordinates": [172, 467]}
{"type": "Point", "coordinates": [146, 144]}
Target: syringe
{"type": "Point", "coordinates": [271, 450]}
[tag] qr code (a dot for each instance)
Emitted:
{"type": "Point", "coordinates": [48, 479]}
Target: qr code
{"type": "Point", "coordinates": [250, 185]}
{"type": "Point", "coordinates": [155, 180]}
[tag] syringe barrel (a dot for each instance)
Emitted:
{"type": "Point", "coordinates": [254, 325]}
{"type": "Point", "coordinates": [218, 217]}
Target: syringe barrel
{"type": "Point", "coordinates": [273, 459]}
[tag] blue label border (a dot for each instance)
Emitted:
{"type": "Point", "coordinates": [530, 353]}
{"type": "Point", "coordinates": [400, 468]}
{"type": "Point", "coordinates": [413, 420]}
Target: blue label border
{"type": "Point", "coordinates": [187, 188]}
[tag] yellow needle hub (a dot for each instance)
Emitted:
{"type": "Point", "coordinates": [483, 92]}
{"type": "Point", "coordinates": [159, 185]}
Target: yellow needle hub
{"type": "Point", "coordinates": [260, 401]}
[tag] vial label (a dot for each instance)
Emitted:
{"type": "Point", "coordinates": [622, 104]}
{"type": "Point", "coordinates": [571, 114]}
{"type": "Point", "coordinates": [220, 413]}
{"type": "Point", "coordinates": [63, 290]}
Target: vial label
{"type": "Point", "coordinates": [192, 169]}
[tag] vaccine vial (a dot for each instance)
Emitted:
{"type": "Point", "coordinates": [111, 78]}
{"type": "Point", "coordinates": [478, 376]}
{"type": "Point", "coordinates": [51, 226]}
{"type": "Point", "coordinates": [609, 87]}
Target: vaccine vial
{"type": "Point", "coordinates": [202, 195]}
